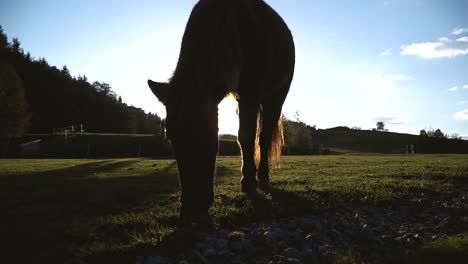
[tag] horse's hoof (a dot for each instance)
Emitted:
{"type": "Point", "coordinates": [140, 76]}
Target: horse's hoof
{"type": "Point", "coordinates": [204, 225]}
{"type": "Point", "coordinates": [249, 189]}
{"type": "Point", "coordinates": [201, 221]}
{"type": "Point", "coordinates": [265, 187]}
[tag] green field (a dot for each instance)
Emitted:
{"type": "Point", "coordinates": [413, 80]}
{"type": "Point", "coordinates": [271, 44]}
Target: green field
{"type": "Point", "coordinates": [117, 209]}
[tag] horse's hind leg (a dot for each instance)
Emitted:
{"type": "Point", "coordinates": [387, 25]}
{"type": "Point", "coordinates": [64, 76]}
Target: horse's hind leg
{"type": "Point", "coordinates": [248, 111]}
{"type": "Point", "coordinates": [270, 137]}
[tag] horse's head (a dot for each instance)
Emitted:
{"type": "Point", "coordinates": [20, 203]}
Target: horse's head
{"type": "Point", "coordinates": [192, 127]}
{"type": "Point", "coordinates": [190, 119]}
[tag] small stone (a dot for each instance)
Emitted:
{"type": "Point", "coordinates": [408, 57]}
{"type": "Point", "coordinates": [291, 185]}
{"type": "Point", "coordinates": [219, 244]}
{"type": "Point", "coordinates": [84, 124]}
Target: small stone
{"type": "Point", "coordinates": [155, 260]}
{"type": "Point", "coordinates": [292, 253]}
{"type": "Point", "coordinates": [208, 252]}
{"type": "Point", "coordinates": [75, 261]}
{"type": "Point", "coordinates": [291, 225]}
{"type": "Point", "coordinates": [310, 224]}
{"type": "Point", "coordinates": [293, 261]}
{"type": "Point", "coordinates": [311, 257]}
{"type": "Point", "coordinates": [235, 235]}
{"type": "Point", "coordinates": [221, 243]}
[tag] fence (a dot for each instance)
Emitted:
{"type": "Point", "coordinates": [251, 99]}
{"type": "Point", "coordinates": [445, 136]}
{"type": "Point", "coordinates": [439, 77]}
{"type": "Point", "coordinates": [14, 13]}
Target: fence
{"type": "Point", "coordinates": [68, 132]}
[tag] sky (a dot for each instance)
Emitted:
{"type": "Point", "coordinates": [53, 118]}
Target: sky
{"type": "Point", "coordinates": [402, 62]}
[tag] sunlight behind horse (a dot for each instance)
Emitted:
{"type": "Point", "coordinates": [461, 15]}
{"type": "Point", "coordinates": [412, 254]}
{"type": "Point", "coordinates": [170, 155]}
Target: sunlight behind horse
{"type": "Point", "coordinates": [228, 119]}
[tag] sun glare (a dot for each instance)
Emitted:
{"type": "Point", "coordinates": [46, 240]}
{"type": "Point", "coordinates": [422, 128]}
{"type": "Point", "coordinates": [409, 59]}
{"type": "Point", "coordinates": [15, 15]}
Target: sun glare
{"type": "Point", "coordinates": [228, 122]}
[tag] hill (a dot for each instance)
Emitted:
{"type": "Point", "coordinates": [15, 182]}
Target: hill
{"type": "Point", "coordinates": [304, 139]}
{"type": "Point", "coordinates": [366, 141]}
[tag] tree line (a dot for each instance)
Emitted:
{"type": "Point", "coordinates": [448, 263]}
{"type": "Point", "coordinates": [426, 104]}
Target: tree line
{"type": "Point", "coordinates": [36, 97]}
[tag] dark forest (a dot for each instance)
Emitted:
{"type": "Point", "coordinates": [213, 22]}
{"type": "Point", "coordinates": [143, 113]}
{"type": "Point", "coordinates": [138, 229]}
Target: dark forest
{"type": "Point", "coordinates": [38, 98]}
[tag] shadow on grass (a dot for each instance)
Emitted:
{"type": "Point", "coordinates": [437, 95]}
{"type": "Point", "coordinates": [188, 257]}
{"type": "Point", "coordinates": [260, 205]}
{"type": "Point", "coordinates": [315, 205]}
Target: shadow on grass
{"type": "Point", "coordinates": [260, 207]}
{"type": "Point", "coordinates": [225, 171]}
{"type": "Point", "coordinates": [48, 214]}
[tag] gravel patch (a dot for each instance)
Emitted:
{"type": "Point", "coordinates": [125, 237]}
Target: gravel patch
{"type": "Point", "coordinates": [373, 232]}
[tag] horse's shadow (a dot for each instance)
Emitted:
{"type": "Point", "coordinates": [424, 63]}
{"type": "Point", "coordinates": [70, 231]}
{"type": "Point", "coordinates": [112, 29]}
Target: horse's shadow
{"type": "Point", "coordinates": [277, 203]}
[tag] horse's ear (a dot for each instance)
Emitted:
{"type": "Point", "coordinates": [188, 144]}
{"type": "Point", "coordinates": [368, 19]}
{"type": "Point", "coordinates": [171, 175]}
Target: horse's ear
{"type": "Point", "coordinates": [161, 90]}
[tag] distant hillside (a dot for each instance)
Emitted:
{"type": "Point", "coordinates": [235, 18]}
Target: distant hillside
{"type": "Point", "coordinates": [384, 142]}
{"type": "Point", "coordinates": [301, 139]}
{"type": "Point", "coordinates": [364, 140]}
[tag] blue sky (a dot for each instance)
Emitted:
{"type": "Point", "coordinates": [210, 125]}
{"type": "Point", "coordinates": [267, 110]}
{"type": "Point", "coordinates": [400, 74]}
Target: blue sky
{"type": "Point", "coordinates": [358, 62]}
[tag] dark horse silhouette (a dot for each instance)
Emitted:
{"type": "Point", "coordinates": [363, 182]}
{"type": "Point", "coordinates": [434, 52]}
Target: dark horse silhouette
{"type": "Point", "coordinates": [239, 47]}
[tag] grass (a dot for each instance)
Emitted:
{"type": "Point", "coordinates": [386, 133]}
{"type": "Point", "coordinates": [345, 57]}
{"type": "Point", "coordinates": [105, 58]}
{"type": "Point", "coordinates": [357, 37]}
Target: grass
{"type": "Point", "coordinates": [117, 209]}
{"type": "Point", "coordinates": [451, 249]}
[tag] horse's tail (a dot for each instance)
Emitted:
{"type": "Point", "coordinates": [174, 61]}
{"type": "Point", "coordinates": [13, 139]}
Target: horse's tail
{"type": "Point", "coordinates": [277, 141]}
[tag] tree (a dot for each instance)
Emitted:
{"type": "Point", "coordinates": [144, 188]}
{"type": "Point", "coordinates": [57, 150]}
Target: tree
{"type": "Point", "coordinates": [57, 99]}
{"type": "Point", "coordinates": [3, 39]}
{"type": "Point", "coordinates": [438, 134]}
{"type": "Point", "coordinates": [380, 126]}
{"type": "Point", "coordinates": [66, 71]}
{"type": "Point", "coordinates": [105, 89]}
{"type": "Point", "coordinates": [297, 135]}
{"type": "Point", "coordinates": [16, 46]}
{"type": "Point", "coordinates": [423, 133]}
{"type": "Point", "coordinates": [297, 116]}
{"type": "Point", "coordinates": [14, 115]}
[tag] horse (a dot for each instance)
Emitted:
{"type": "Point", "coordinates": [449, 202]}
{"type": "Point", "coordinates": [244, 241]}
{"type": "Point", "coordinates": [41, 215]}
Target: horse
{"type": "Point", "coordinates": [229, 47]}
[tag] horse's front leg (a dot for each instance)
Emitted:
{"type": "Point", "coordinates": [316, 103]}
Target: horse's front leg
{"type": "Point", "coordinates": [246, 138]}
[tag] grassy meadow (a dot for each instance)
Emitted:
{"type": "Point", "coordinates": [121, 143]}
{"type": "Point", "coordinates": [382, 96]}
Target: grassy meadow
{"type": "Point", "coordinates": [117, 209]}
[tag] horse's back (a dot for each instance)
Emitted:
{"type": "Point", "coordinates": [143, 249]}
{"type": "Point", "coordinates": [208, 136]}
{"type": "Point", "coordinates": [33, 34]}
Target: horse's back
{"type": "Point", "coordinates": [228, 41]}
{"type": "Point", "coordinates": [268, 48]}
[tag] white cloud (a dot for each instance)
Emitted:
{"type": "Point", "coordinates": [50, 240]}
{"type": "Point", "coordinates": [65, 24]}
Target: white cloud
{"type": "Point", "coordinates": [443, 48]}
{"type": "Point", "coordinates": [387, 52]}
{"type": "Point", "coordinates": [458, 31]}
{"type": "Point", "coordinates": [444, 39]}
{"type": "Point", "coordinates": [461, 115]}
{"type": "Point", "coordinates": [465, 86]}
{"type": "Point", "coordinates": [453, 89]}
{"type": "Point", "coordinates": [432, 50]}
{"type": "Point", "coordinates": [380, 82]}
